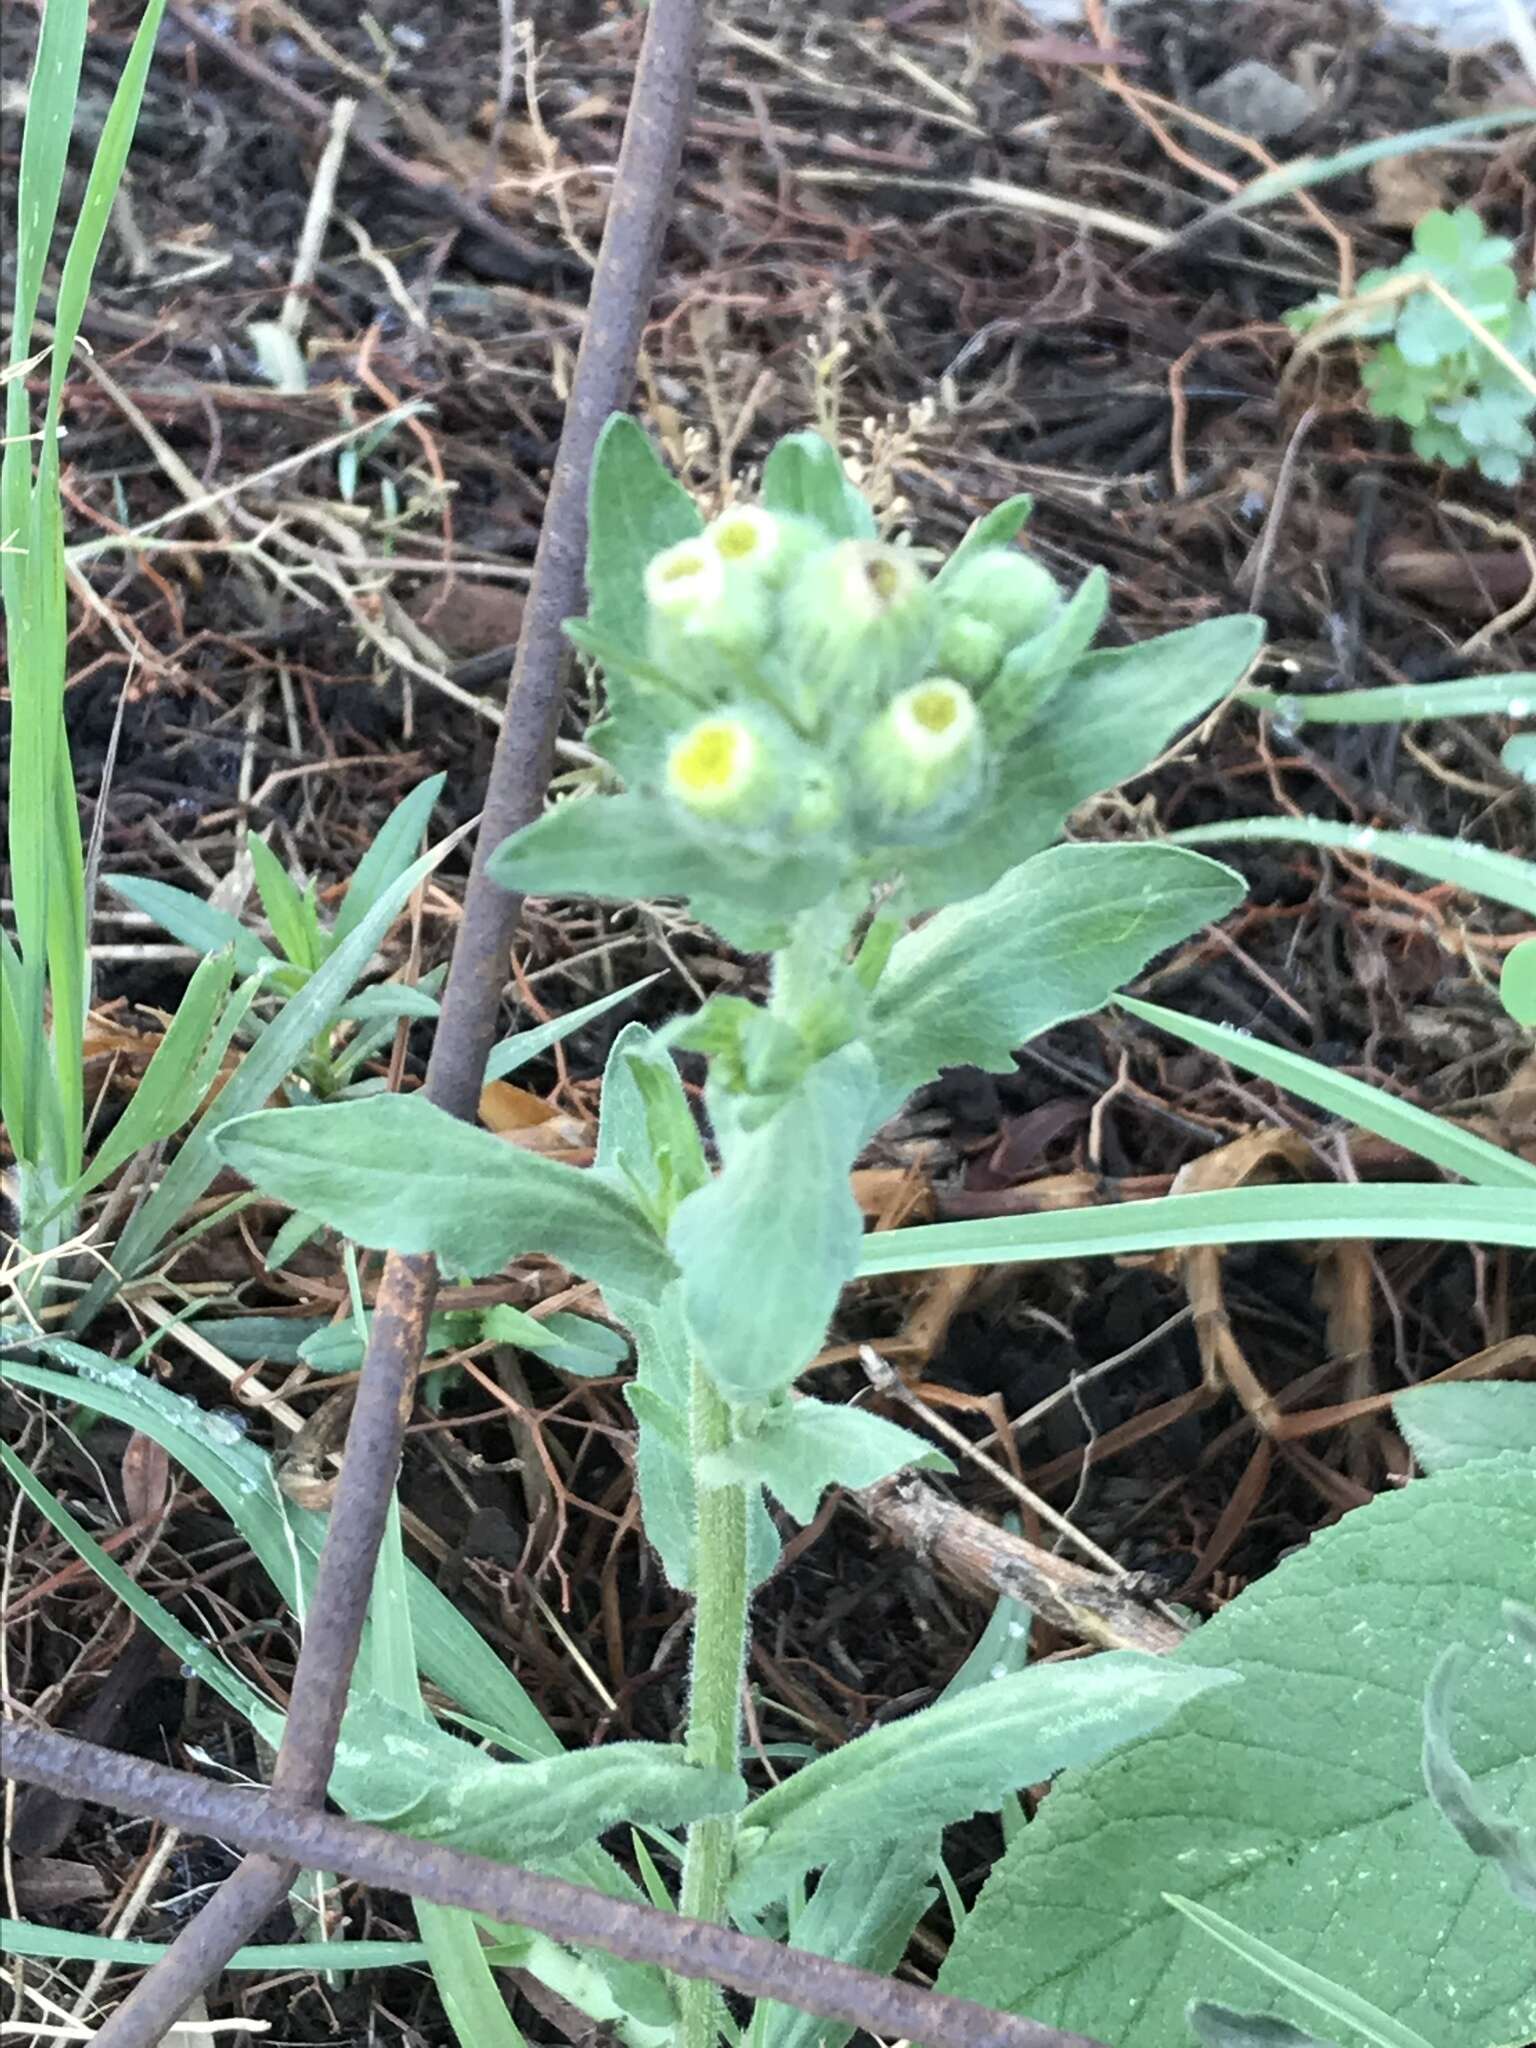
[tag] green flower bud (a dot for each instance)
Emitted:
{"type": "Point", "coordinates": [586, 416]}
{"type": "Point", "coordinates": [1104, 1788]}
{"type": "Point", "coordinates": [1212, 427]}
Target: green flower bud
{"type": "Point", "coordinates": [727, 771]}
{"type": "Point", "coordinates": [857, 622]}
{"type": "Point", "coordinates": [706, 627]}
{"type": "Point", "coordinates": [1005, 588]}
{"type": "Point", "coordinates": [820, 809]}
{"type": "Point", "coordinates": [971, 650]}
{"type": "Point", "coordinates": [766, 544]}
{"type": "Point", "coordinates": [920, 762]}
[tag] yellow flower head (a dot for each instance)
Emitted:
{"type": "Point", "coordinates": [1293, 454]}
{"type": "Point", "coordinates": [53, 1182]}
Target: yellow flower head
{"type": "Point", "coordinates": [685, 581]}
{"type": "Point", "coordinates": [722, 770]}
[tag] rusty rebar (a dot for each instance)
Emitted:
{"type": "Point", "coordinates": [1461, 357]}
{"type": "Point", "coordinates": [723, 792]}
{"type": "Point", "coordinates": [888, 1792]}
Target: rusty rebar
{"type": "Point", "coordinates": [622, 285]}
{"type": "Point", "coordinates": [506, 1893]}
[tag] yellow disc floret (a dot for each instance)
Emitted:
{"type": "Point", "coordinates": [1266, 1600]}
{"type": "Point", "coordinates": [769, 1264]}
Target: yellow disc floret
{"type": "Point", "coordinates": [685, 580]}
{"type": "Point", "coordinates": [722, 770]}
{"type": "Point", "coordinates": [921, 759]}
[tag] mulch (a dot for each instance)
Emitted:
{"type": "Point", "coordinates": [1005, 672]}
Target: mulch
{"type": "Point", "coordinates": [967, 249]}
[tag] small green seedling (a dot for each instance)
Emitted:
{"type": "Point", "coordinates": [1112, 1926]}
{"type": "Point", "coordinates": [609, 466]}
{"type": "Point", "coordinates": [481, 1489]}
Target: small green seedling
{"type": "Point", "coordinates": [1456, 360]}
{"type": "Point", "coordinates": [304, 942]}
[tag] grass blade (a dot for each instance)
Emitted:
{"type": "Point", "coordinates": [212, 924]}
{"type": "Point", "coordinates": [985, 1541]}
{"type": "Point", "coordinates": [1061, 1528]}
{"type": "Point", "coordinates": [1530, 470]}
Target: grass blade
{"type": "Point", "coordinates": [1480, 869]}
{"type": "Point", "coordinates": [1411, 1211]}
{"type": "Point", "coordinates": [260, 1073]}
{"type": "Point", "coordinates": [1403, 1123]}
{"type": "Point", "coordinates": [1512, 696]}
{"type": "Point", "coordinates": [1307, 171]}
{"type": "Point", "coordinates": [1378, 2027]}
{"type": "Point", "coordinates": [23, 1938]}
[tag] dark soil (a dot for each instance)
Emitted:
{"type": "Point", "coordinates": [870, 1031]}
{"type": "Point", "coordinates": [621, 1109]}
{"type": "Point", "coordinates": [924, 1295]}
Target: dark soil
{"type": "Point", "coordinates": [830, 262]}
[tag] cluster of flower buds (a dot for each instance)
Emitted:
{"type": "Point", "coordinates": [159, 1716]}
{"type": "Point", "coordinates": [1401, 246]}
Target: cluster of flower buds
{"type": "Point", "coordinates": [841, 690]}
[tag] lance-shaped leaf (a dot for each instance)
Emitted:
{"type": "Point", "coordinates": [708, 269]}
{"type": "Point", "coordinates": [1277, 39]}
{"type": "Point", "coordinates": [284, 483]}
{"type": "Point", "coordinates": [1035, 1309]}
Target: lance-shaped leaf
{"type": "Point", "coordinates": [958, 1757]}
{"type": "Point", "coordinates": [624, 847]}
{"type": "Point", "coordinates": [635, 508]}
{"type": "Point", "coordinates": [397, 1770]}
{"type": "Point", "coordinates": [804, 476]}
{"type": "Point", "coordinates": [1053, 939]}
{"type": "Point", "coordinates": [766, 1247]}
{"type": "Point", "coordinates": [397, 1174]}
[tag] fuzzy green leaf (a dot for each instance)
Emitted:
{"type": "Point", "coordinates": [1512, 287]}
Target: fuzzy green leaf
{"type": "Point", "coordinates": [1053, 939]}
{"type": "Point", "coordinates": [781, 1211]}
{"type": "Point", "coordinates": [804, 476]}
{"type": "Point", "coordinates": [394, 1173]}
{"type": "Point", "coordinates": [803, 1447]}
{"type": "Point", "coordinates": [994, 529]}
{"type": "Point", "coordinates": [961, 1756]}
{"type": "Point", "coordinates": [635, 509]}
{"type": "Point", "coordinates": [1113, 714]}
{"type": "Point", "coordinates": [1451, 1425]}
{"type": "Point", "coordinates": [394, 1769]}
{"type": "Point", "coordinates": [624, 847]}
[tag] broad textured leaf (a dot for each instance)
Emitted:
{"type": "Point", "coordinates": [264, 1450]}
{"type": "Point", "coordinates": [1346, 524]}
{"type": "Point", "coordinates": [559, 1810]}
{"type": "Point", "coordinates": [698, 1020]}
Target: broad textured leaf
{"type": "Point", "coordinates": [1335, 2001]}
{"type": "Point", "coordinates": [1113, 715]}
{"type": "Point", "coordinates": [1220, 2026]}
{"type": "Point", "coordinates": [961, 1756]}
{"type": "Point", "coordinates": [635, 509]}
{"type": "Point", "coordinates": [1373, 1109]}
{"type": "Point", "coordinates": [766, 1247]}
{"type": "Point", "coordinates": [803, 1447]}
{"type": "Point", "coordinates": [1053, 939]}
{"type": "Point", "coordinates": [803, 475]}
{"type": "Point", "coordinates": [1481, 869]}
{"type": "Point", "coordinates": [1295, 1803]}
{"type": "Point", "coordinates": [1452, 1425]}
{"type": "Point", "coordinates": [1509, 1847]}
{"type": "Point", "coordinates": [397, 1174]}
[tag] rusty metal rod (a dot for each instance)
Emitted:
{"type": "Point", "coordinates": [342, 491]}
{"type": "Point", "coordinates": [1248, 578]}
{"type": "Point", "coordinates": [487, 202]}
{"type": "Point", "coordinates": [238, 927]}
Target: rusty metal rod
{"type": "Point", "coordinates": [506, 1893]}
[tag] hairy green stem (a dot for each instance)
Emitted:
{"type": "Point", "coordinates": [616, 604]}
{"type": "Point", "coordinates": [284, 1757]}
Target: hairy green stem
{"type": "Point", "coordinates": [714, 1709]}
